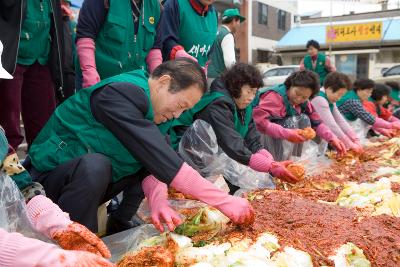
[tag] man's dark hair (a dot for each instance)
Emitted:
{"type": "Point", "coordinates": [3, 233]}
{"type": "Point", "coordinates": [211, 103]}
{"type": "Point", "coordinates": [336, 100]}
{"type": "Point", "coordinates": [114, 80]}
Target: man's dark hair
{"type": "Point", "coordinates": [363, 84]}
{"type": "Point", "coordinates": [394, 85]}
{"type": "Point", "coordinates": [336, 81]}
{"type": "Point", "coordinates": [239, 75]}
{"type": "Point", "coordinates": [303, 78]}
{"type": "Point", "coordinates": [184, 73]}
{"type": "Point", "coordinates": [313, 43]}
{"type": "Point", "coordinates": [380, 90]}
{"type": "Point", "coordinates": [229, 19]}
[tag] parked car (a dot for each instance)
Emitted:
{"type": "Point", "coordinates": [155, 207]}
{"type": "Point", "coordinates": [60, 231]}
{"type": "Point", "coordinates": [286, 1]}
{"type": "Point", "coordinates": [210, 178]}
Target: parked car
{"type": "Point", "coordinates": [278, 75]}
{"type": "Point", "coordinates": [391, 74]}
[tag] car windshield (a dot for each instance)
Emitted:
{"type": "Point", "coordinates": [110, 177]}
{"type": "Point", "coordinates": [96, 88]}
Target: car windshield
{"type": "Point", "coordinates": [393, 71]}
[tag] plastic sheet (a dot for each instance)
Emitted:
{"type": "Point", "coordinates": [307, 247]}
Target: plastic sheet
{"type": "Point", "coordinates": [13, 209]}
{"type": "Point", "coordinates": [361, 129]}
{"type": "Point", "coordinates": [284, 150]}
{"type": "Point", "coordinates": [126, 241]}
{"type": "Point", "coordinates": [199, 148]}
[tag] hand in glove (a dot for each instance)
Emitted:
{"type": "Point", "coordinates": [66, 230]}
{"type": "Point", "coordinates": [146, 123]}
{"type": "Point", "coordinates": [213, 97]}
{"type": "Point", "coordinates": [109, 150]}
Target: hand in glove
{"type": "Point", "coordinates": [183, 54]}
{"type": "Point", "coordinates": [294, 136]}
{"type": "Point", "coordinates": [357, 148]}
{"type": "Point", "coordinates": [18, 250]}
{"type": "Point", "coordinates": [48, 219]}
{"type": "Point", "coordinates": [86, 51]}
{"type": "Point", "coordinates": [189, 181]}
{"type": "Point", "coordinates": [396, 125]}
{"type": "Point", "coordinates": [279, 170]}
{"type": "Point", "coordinates": [157, 196]}
{"type": "Point", "coordinates": [339, 146]}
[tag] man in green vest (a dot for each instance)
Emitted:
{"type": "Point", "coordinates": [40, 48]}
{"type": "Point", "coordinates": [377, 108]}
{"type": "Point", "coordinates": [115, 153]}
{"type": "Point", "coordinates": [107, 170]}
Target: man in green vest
{"type": "Point", "coordinates": [32, 34]}
{"type": "Point", "coordinates": [115, 36]}
{"type": "Point", "coordinates": [105, 139]}
{"type": "Point", "coordinates": [187, 29]}
{"type": "Point", "coordinates": [316, 61]}
{"type": "Point", "coordinates": [222, 55]}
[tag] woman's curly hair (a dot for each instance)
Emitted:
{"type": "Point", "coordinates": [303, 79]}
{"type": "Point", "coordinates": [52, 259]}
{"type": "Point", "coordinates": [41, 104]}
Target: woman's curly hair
{"type": "Point", "coordinates": [239, 75]}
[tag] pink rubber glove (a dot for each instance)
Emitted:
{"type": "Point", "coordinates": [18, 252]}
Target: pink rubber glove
{"type": "Point", "coordinates": [357, 148]}
{"type": "Point", "coordinates": [189, 181]}
{"type": "Point", "coordinates": [183, 54]}
{"type": "Point", "coordinates": [279, 170]}
{"type": "Point", "coordinates": [157, 195]}
{"type": "Point", "coordinates": [154, 59]}
{"type": "Point", "coordinates": [17, 250]}
{"type": "Point", "coordinates": [386, 132]}
{"type": "Point", "coordinates": [86, 51]}
{"type": "Point", "coordinates": [396, 125]}
{"type": "Point", "coordinates": [261, 161]}
{"type": "Point", "coordinates": [393, 119]}
{"type": "Point", "coordinates": [380, 123]}
{"type": "Point", "coordinates": [48, 219]}
{"type": "Point", "coordinates": [293, 136]}
{"type": "Point", "coordinates": [339, 146]}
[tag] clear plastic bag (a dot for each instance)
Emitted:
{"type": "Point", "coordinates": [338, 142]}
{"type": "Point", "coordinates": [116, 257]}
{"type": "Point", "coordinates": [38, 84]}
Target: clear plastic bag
{"type": "Point", "coordinates": [284, 150]}
{"type": "Point", "coordinates": [123, 242]}
{"type": "Point", "coordinates": [361, 129]}
{"type": "Point", "coordinates": [199, 148]}
{"type": "Point", "coordinates": [13, 209]}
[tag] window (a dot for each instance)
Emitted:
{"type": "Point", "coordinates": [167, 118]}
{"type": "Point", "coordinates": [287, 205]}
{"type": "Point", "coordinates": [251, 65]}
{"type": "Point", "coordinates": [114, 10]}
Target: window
{"type": "Point", "coordinates": [271, 73]}
{"type": "Point", "coordinates": [281, 20]}
{"type": "Point", "coordinates": [393, 71]}
{"type": "Point", "coordinates": [262, 14]}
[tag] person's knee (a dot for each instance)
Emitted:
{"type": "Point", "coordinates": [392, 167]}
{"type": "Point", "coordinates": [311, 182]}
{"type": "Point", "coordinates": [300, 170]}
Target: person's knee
{"type": "Point", "coordinates": [96, 169]}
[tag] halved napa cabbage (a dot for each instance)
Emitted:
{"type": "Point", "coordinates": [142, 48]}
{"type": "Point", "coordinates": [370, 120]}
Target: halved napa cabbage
{"type": "Point", "coordinates": [349, 255]}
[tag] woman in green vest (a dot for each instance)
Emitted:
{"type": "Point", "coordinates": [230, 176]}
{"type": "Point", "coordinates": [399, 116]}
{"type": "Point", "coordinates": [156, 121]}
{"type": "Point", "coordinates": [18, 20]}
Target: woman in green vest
{"type": "Point", "coordinates": [316, 61]}
{"type": "Point", "coordinates": [228, 109]}
{"type": "Point", "coordinates": [284, 109]}
{"type": "Point", "coordinates": [32, 34]}
{"type": "Point", "coordinates": [105, 139]}
{"type": "Point", "coordinates": [335, 86]}
{"type": "Point", "coordinates": [115, 36]}
{"type": "Point", "coordinates": [187, 29]}
{"type": "Point", "coordinates": [351, 106]}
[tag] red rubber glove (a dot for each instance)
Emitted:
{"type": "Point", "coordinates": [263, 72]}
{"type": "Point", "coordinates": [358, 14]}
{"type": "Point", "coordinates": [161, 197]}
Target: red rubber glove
{"type": "Point", "coordinates": [293, 136]}
{"type": "Point", "coordinates": [189, 181]}
{"type": "Point", "coordinates": [48, 219]}
{"type": "Point", "coordinates": [279, 170]}
{"type": "Point", "coordinates": [339, 146]}
{"type": "Point", "coordinates": [157, 195]}
{"type": "Point", "coordinates": [183, 54]}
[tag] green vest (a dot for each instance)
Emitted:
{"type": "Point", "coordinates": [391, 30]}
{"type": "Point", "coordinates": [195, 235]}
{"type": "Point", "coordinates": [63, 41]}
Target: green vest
{"type": "Point", "coordinates": [72, 131]}
{"type": "Point", "coordinates": [34, 40]}
{"type": "Point", "coordinates": [319, 66]}
{"type": "Point", "coordinates": [217, 64]}
{"type": "Point", "coordinates": [186, 119]}
{"type": "Point", "coordinates": [323, 94]}
{"type": "Point", "coordinates": [351, 94]}
{"type": "Point", "coordinates": [281, 90]}
{"type": "Point", "coordinates": [197, 33]}
{"type": "Point", "coordinates": [118, 49]}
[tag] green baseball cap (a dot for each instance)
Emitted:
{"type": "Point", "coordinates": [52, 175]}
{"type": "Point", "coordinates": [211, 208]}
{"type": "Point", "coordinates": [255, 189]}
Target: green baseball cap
{"type": "Point", "coordinates": [233, 12]}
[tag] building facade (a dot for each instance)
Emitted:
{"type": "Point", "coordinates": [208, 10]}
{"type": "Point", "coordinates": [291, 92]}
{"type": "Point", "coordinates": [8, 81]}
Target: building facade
{"type": "Point", "coordinates": [360, 45]}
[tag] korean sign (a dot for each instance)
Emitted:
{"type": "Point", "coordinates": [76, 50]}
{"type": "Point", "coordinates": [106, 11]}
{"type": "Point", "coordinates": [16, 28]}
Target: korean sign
{"type": "Point", "coordinates": [354, 32]}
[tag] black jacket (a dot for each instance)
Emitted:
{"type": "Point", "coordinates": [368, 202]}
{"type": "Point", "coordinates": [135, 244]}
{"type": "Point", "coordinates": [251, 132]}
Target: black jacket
{"type": "Point", "coordinates": [121, 108]}
{"type": "Point", "coordinates": [220, 115]}
{"type": "Point", "coordinates": [12, 14]}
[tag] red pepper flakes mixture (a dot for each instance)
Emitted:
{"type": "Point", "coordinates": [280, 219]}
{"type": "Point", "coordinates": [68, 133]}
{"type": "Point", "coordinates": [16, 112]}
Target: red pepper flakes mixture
{"type": "Point", "coordinates": [320, 229]}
